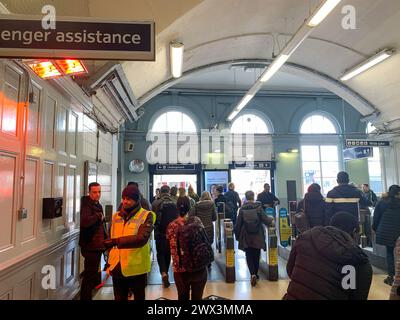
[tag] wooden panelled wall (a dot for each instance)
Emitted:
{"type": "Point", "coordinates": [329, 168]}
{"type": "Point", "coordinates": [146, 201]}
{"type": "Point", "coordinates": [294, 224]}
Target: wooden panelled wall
{"type": "Point", "coordinates": [59, 139]}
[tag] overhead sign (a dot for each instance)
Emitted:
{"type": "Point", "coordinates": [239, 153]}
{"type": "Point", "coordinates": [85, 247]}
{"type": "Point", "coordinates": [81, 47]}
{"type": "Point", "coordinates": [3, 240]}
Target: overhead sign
{"type": "Point", "coordinates": [366, 143]}
{"type": "Point", "coordinates": [358, 153]}
{"type": "Point", "coordinates": [175, 167]}
{"type": "Point", "coordinates": [24, 37]}
{"type": "Point", "coordinates": [262, 165]}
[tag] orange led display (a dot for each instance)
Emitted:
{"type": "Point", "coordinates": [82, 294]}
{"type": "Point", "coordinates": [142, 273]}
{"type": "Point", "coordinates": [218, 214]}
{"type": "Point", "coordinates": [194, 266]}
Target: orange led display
{"type": "Point", "coordinates": [71, 67]}
{"type": "Point", "coordinates": [45, 69]}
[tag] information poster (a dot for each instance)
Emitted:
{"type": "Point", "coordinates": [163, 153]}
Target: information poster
{"type": "Point", "coordinates": [212, 179]}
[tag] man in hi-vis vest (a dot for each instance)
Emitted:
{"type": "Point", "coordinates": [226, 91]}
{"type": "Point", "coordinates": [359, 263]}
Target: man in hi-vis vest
{"type": "Point", "coordinates": [129, 258]}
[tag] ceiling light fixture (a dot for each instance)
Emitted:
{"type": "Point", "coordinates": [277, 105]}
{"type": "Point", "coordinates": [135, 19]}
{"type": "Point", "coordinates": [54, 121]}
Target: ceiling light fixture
{"type": "Point", "coordinates": [302, 33]}
{"type": "Point", "coordinates": [176, 57]}
{"type": "Point", "coordinates": [374, 60]}
{"type": "Point", "coordinates": [322, 12]}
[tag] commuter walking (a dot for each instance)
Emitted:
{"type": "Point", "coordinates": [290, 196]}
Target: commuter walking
{"type": "Point", "coordinates": [369, 195]}
{"type": "Point", "coordinates": [268, 199]}
{"type": "Point", "coordinates": [233, 202]}
{"type": "Point", "coordinates": [220, 198]}
{"type": "Point", "coordinates": [386, 224]}
{"type": "Point", "coordinates": [182, 194]}
{"type": "Point", "coordinates": [205, 211]}
{"type": "Point", "coordinates": [166, 211]}
{"type": "Point", "coordinates": [313, 206]}
{"type": "Point", "coordinates": [129, 258]}
{"type": "Point", "coordinates": [193, 194]}
{"type": "Point", "coordinates": [316, 261]}
{"type": "Point", "coordinates": [191, 253]}
{"type": "Point", "coordinates": [395, 293]}
{"type": "Point", "coordinates": [93, 232]}
{"type": "Point", "coordinates": [344, 197]}
{"type": "Point", "coordinates": [250, 233]}
{"type": "Point", "coordinates": [157, 195]}
{"type": "Point", "coordinates": [174, 193]}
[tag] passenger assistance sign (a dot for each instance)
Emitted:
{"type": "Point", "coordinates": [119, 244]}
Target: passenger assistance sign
{"type": "Point", "coordinates": [22, 37]}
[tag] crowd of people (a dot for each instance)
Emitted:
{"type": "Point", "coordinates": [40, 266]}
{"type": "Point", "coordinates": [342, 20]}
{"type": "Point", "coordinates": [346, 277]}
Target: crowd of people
{"type": "Point", "coordinates": [183, 225]}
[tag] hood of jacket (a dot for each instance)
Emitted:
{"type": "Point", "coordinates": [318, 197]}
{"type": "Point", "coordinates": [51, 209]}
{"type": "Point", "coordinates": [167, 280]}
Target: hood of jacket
{"type": "Point", "coordinates": [167, 197]}
{"type": "Point", "coordinates": [345, 191]}
{"type": "Point", "coordinates": [204, 204]}
{"type": "Point", "coordinates": [313, 197]}
{"type": "Point", "coordinates": [336, 245]}
{"type": "Point", "coordinates": [251, 205]}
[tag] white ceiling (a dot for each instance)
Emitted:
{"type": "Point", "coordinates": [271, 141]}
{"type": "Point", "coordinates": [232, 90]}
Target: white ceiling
{"type": "Point", "coordinates": [216, 31]}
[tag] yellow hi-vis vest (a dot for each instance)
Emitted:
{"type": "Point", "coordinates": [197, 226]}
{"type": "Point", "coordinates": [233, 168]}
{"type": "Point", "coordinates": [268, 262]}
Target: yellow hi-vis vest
{"type": "Point", "coordinates": [134, 261]}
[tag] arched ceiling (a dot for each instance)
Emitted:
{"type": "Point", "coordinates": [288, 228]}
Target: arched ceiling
{"type": "Point", "coordinates": [216, 31]}
{"type": "Point", "coordinates": [223, 30]}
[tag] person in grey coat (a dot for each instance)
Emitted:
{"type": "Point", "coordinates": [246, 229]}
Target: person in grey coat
{"type": "Point", "coordinates": [395, 293]}
{"type": "Point", "coordinates": [250, 233]}
{"type": "Point", "coordinates": [205, 211]}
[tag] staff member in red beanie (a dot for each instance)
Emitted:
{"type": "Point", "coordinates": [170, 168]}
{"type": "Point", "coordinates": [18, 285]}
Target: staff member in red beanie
{"type": "Point", "coordinates": [129, 259]}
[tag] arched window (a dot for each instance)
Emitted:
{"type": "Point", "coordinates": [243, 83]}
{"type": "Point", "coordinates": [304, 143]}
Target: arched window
{"type": "Point", "coordinates": [174, 121]}
{"type": "Point", "coordinates": [374, 166]}
{"type": "Point", "coordinates": [317, 124]}
{"type": "Point", "coordinates": [320, 159]}
{"type": "Point", "coordinates": [250, 123]}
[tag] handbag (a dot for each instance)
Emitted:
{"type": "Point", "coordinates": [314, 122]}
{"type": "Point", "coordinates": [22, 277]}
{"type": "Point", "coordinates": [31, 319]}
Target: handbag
{"type": "Point", "coordinates": [301, 220]}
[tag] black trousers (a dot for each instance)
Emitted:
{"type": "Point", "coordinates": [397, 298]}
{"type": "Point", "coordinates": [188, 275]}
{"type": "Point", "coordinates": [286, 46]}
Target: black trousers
{"type": "Point", "coordinates": [91, 276]}
{"type": "Point", "coordinates": [390, 260]}
{"type": "Point", "coordinates": [122, 285]}
{"type": "Point", "coordinates": [187, 282]}
{"type": "Point", "coordinates": [163, 253]}
{"type": "Point", "coordinates": [253, 260]}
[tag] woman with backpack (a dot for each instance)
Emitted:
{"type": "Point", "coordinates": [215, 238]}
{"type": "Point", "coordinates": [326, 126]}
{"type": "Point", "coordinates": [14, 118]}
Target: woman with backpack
{"type": "Point", "coordinates": [188, 241]}
{"type": "Point", "coordinates": [205, 211]}
{"type": "Point", "coordinates": [250, 233]}
{"type": "Point", "coordinates": [386, 224]}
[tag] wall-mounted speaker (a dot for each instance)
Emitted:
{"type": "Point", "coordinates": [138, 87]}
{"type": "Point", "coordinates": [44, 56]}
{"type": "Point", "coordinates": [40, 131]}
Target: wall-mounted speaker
{"type": "Point", "coordinates": [52, 208]}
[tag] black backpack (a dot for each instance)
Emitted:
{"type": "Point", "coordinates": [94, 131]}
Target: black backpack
{"type": "Point", "coordinates": [167, 213]}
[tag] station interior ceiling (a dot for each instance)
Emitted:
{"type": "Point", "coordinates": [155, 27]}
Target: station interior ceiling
{"type": "Point", "coordinates": [220, 36]}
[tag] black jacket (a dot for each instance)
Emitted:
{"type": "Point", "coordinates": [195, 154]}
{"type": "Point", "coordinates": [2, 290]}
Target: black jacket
{"type": "Point", "coordinates": [233, 198]}
{"type": "Point", "coordinates": [247, 213]}
{"type": "Point", "coordinates": [344, 197]}
{"type": "Point", "coordinates": [267, 199]}
{"type": "Point", "coordinates": [386, 222]}
{"type": "Point", "coordinates": [314, 204]}
{"type": "Point", "coordinates": [315, 266]}
{"type": "Point", "coordinates": [92, 227]}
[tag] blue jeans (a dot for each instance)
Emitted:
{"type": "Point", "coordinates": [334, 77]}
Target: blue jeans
{"type": "Point", "coordinates": [390, 260]}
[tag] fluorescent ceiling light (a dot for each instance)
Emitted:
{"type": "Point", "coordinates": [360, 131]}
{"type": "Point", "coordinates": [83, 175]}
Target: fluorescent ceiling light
{"type": "Point", "coordinates": [244, 101]}
{"type": "Point", "coordinates": [233, 115]}
{"type": "Point", "coordinates": [274, 67]}
{"type": "Point", "coordinates": [381, 56]}
{"type": "Point", "coordinates": [176, 56]}
{"type": "Point", "coordinates": [322, 12]}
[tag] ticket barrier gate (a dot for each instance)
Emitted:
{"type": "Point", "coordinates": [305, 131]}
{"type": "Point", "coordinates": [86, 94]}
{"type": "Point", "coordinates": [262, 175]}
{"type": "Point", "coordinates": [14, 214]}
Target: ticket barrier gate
{"type": "Point", "coordinates": [229, 251]}
{"type": "Point", "coordinates": [226, 260]}
{"type": "Point", "coordinates": [219, 223]}
{"type": "Point", "coordinates": [270, 266]}
{"type": "Point", "coordinates": [365, 228]}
